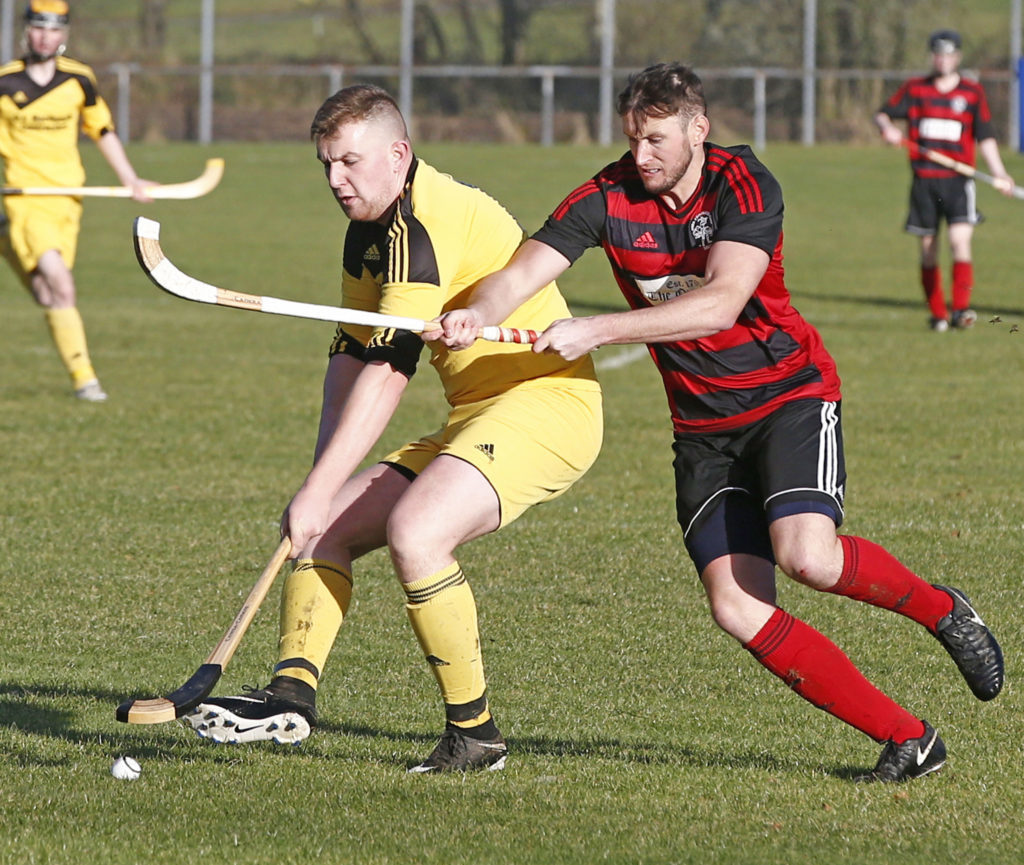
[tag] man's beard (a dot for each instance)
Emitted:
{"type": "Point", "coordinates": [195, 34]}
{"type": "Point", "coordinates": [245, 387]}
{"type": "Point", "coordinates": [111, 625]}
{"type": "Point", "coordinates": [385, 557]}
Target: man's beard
{"type": "Point", "coordinates": [669, 180]}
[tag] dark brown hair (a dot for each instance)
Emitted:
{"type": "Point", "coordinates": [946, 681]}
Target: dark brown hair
{"type": "Point", "coordinates": [662, 90]}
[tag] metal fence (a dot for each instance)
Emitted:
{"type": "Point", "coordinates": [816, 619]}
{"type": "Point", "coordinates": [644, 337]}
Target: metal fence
{"type": "Point", "coordinates": [541, 104]}
{"type": "Point", "coordinates": [203, 88]}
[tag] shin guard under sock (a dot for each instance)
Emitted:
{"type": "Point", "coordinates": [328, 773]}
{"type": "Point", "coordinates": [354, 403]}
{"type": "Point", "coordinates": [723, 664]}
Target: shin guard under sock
{"type": "Point", "coordinates": [873, 575]}
{"type": "Point", "coordinates": [931, 281]}
{"type": "Point", "coordinates": [443, 616]}
{"type": "Point", "coordinates": [963, 283]}
{"type": "Point", "coordinates": [314, 603]}
{"type": "Point", "coordinates": [68, 333]}
{"type": "Point", "coordinates": [820, 672]}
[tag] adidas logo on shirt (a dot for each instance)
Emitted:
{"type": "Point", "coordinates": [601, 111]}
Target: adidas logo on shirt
{"type": "Point", "coordinates": [645, 241]}
{"type": "Point", "coordinates": [487, 449]}
{"type": "Point", "coordinates": [372, 254]}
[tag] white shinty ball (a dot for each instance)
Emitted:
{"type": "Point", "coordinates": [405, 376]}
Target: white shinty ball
{"type": "Point", "coordinates": [126, 769]}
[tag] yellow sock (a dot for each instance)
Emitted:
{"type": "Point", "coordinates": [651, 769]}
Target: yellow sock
{"type": "Point", "coordinates": [68, 334]}
{"type": "Point", "coordinates": [443, 616]}
{"type": "Point", "coordinates": [314, 603]}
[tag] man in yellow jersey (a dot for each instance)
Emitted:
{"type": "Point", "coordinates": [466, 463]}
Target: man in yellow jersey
{"type": "Point", "coordinates": [522, 428]}
{"type": "Point", "coordinates": [45, 99]}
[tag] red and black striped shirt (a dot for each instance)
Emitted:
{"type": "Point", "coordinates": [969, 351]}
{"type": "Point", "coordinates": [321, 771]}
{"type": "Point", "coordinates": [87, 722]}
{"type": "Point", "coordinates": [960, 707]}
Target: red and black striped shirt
{"type": "Point", "coordinates": [947, 122]}
{"type": "Point", "coordinates": [771, 355]}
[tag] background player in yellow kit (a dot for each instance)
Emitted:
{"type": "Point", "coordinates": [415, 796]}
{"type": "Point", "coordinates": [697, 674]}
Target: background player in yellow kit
{"type": "Point", "coordinates": [45, 99]}
{"type": "Point", "coordinates": [522, 428]}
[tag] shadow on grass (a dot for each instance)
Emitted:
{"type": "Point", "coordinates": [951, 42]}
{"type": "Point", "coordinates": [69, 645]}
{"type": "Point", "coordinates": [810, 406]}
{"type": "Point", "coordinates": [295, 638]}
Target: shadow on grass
{"type": "Point", "coordinates": [24, 708]}
{"type": "Point", "coordinates": [984, 312]}
{"type": "Point", "coordinates": [30, 709]}
{"type": "Point", "coordinates": [617, 750]}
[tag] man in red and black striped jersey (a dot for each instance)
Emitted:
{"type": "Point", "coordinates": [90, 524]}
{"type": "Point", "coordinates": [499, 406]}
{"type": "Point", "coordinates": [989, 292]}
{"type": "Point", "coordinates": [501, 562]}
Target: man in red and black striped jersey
{"type": "Point", "coordinates": [693, 233]}
{"type": "Point", "coordinates": [946, 113]}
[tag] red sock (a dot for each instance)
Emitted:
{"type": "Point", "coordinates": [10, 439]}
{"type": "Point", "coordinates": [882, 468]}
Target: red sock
{"type": "Point", "coordinates": [873, 575]}
{"type": "Point", "coordinates": [931, 279]}
{"type": "Point", "coordinates": [963, 283]}
{"type": "Point", "coordinates": [819, 671]}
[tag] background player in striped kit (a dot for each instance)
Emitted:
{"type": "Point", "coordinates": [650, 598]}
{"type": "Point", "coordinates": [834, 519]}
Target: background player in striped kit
{"type": "Point", "coordinates": [45, 99]}
{"type": "Point", "coordinates": [947, 113]}
{"type": "Point", "coordinates": [693, 233]}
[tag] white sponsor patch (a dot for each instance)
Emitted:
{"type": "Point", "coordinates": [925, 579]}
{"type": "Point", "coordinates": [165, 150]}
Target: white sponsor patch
{"type": "Point", "coordinates": [940, 129]}
{"type": "Point", "coordinates": [663, 288]}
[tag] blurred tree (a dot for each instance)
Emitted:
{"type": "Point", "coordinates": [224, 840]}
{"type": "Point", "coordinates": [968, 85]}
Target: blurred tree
{"type": "Point", "coordinates": [890, 34]}
{"type": "Point", "coordinates": [474, 44]}
{"type": "Point", "coordinates": [427, 32]}
{"type": "Point", "coordinates": [515, 20]}
{"type": "Point", "coordinates": [153, 27]}
{"type": "Point", "coordinates": [357, 20]}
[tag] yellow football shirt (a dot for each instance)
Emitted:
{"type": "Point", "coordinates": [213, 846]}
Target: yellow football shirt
{"type": "Point", "coordinates": [40, 124]}
{"type": "Point", "coordinates": [444, 237]}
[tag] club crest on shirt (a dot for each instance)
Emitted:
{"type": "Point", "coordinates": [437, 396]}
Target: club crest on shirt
{"type": "Point", "coordinates": [958, 104]}
{"type": "Point", "coordinates": [663, 288]}
{"type": "Point", "coordinates": [702, 229]}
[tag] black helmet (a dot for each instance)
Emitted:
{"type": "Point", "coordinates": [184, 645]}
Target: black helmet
{"type": "Point", "coordinates": [47, 13]}
{"type": "Point", "coordinates": [944, 42]}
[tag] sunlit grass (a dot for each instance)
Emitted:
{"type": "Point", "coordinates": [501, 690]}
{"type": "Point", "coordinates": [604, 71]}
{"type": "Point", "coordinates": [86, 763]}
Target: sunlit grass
{"type": "Point", "coordinates": [130, 533]}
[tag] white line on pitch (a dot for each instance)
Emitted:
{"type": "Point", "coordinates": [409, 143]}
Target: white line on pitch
{"type": "Point", "coordinates": [623, 358]}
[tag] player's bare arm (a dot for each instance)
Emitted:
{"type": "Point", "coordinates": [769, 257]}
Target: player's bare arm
{"type": "Point", "coordinates": [731, 277]}
{"type": "Point", "coordinates": [891, 133]}
{"type": "Point", "coordinates": [339, 379]}
{"type": "Point", "coordinates": [113, 151]}
{"type": "Point", "coordinates": [989, 149]}
{"type": "Point", "coordinates": [498, 295]}
{"type": "Point", "coordinates": [363, 412]}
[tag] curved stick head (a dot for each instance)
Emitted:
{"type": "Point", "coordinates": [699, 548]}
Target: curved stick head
{"type": "Point", "coordinates": [175, 704]}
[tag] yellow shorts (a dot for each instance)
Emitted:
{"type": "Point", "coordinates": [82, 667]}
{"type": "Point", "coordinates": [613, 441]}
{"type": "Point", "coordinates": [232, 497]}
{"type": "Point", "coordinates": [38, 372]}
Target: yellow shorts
{"type": "Point", "coordinates": [38, 224]}
{"type": "Point", "coordinates": [531, 443]}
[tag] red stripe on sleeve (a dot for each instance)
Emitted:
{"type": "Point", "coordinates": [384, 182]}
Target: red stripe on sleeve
{"type": "Point", "coordinates": [588, 188]}
{"type": "Point", "coordinates": [739, 176]}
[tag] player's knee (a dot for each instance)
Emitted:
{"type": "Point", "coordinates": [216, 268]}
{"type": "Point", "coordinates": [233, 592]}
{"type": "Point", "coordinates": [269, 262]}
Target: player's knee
{"type": "Point", "coordinates": [345, 541]}
{"type": "Point", "coordinates": [406, 534]}
{"type": "Point", "coordinates": [63, 296]}
{"type": "Point", "coordinates": [52, 295]}
{"type": "Point", "coordinates": [333, 549]}
{"type": "Point", "coordinates": [734, 610]}
{"type": "Point", "coordinates": [806, 565]}
{"type": "Point", "coordinates": [739, 620]}
{"type": "Point", "coordinates": [728, 617]}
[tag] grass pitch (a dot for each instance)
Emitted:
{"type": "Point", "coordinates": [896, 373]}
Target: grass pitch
{"type": "Point", "coordinates": [131, 532]}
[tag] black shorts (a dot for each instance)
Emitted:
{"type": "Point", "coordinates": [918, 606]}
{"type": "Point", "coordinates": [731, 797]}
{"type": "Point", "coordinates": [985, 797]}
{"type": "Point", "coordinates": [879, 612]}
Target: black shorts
{"type": "Point", "coordinates": [730, 486]}
{"type": "Point", "coordinates": [933, 199]}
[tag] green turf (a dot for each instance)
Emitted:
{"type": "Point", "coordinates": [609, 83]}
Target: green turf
{"type": "Point", "coordinates": [130, 532]}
